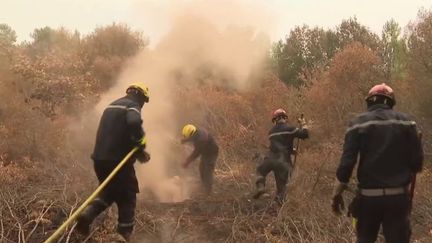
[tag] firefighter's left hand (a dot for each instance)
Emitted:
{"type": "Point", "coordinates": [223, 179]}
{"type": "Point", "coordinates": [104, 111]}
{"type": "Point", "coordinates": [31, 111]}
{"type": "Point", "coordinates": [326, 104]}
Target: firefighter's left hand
{"type": "Point", "coordinates": [338, 204]}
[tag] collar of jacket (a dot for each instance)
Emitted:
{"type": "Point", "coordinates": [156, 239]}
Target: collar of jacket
{"type": "Point", "coordinates": [136, 98]}
{"type": "Point", "coordinates": [379, 106]}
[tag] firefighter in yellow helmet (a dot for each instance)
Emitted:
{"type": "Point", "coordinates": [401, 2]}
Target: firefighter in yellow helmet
{"type": "Point", "coordinates": [120, 130]}
{"type": "Point", "coordinates": [205, 146]}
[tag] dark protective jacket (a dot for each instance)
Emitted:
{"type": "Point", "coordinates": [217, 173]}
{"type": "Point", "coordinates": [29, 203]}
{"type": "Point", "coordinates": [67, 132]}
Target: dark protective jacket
{"type": "Point", "coordinates": [119, 129]}
{"type": "Point", "coordinates": [204, 144]}
{"type": "Point", "coordinates": [119, 132]}
{"type": "Point", "coordinates": [281, 138]}
{"type": "Point", "coordinates": [388, 147]}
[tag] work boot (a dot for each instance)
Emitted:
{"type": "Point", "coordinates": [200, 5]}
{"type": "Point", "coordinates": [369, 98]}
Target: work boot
{"type": "Point", "coordinates": [86, 218]}
{"type": "Point", "coordinates": [260, 189]}
{"type": "Point", "coordinates": [279, 200]}
{"type": "Point", "coordinates": [83, 226]}
{"type": "Point", "coordinates": [126, 236]}
{"type": "Point", "coordinates": [125, 232]}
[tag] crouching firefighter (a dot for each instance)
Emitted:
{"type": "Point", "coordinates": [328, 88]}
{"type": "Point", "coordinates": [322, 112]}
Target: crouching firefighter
{"type": "Point", "coordinates": [119, 132]}
{"type": "Point", "coordinates": [278, 159]}
{"type": "Point", "coordinates": [205, 146]}
{"type": "Point", "coordinates": [390, 154]}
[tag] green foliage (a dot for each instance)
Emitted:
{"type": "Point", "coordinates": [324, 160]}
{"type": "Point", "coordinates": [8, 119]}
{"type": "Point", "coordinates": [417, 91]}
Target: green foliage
{"type": "Point", "coordinates": [394, 52]}
{"type": "Point", "coordinates": [351, 30]}
{"type": "Point", "coordinates": [420, 46]}
{"type": "Point", "coordinates": [7, 40]}
{"type": "Point", "coordinates": [7, 35]}
{"type": "Point", "coordinates": [307, 50]}
{"type": "Point", "coordinates": [420, 59]}
{"type": "Point", "coordinates": [304, 51]}
{"type": "Point", "coordinates": [47, 39]}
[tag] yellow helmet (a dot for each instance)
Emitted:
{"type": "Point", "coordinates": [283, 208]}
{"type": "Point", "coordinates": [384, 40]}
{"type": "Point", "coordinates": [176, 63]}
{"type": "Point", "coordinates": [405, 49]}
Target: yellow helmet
{"type": "Point", "coordinates": [142, 88]}
{"type": "Point", "coordinates": [188, 131]}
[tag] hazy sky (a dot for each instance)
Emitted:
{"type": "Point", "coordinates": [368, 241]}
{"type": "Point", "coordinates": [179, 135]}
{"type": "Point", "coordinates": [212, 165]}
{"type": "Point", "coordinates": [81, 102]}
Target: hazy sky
{"type": "Point", "coordinates": [152, 17]}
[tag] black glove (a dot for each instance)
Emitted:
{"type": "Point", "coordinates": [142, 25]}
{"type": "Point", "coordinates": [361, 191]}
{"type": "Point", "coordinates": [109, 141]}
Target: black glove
{"type": "Point", "coordinates": [338, 204]}
{"type": "Point", "coordinates": [142, 156]}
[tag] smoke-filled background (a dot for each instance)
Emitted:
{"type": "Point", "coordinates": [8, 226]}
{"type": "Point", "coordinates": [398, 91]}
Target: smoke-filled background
{"type": "Point", "coordinates": [212, 65]}
{"type": "Point", "coordinates": [195, 51]}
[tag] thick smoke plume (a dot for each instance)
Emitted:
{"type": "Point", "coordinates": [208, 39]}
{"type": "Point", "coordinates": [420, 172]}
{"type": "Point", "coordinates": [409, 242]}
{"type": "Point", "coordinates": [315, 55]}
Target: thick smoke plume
{"type": "Point", "coordinates": [194, 52]}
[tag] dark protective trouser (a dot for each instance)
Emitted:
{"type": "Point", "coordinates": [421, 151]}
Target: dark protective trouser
{"type": "Point", "coordinates": [126, 203]}
{"type": "Point", "coordinates": [281, 169]}
{"type": "Point", "coordinates": [392, 212]}
{"type": "Point", "coordinates": [206, 169]}
{"type": "Point", "coordinates": [121, 190]}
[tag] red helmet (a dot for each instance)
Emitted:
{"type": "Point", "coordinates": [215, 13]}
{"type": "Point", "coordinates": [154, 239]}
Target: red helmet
{"type": "Point", "coordinates": [279, 113]}
{"type": "Point", "coordinates": [382, 90]}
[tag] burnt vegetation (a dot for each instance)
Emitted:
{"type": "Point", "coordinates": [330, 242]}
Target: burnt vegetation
{"type": "Point", "coordinates": [47, 82]}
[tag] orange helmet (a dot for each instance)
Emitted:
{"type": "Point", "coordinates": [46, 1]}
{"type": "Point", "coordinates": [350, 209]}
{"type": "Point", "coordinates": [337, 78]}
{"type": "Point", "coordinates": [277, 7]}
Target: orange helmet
{"type": "Point", "coordinates": [279, 113]}
{"type": "Point", "coordinates": [382, 90]}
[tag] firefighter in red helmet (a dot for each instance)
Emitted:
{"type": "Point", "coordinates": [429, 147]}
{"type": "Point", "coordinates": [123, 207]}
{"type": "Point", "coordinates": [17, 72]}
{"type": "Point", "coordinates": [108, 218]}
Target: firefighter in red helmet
{"type": "Point", "coordinates": [386, 144]}
{"type": "Point", "coordinates": [278, 158]}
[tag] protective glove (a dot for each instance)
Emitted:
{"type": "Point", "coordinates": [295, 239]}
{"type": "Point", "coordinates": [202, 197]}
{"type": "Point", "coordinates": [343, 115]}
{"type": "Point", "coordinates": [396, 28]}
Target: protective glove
{"type": "Point", "coordinates": [142, 143]}
{"type": "Point", "coordinates": [142, 156]}
{"type": "Point", "coordinates": [338, 204]}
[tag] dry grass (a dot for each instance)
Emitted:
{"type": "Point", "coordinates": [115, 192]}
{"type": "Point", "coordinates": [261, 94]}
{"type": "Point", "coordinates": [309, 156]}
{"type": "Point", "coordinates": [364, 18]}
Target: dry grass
{"type": "Point", "coordinates": [36, 197]}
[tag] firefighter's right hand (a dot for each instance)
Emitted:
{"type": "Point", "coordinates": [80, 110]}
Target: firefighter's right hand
{"type": "Point", "coordinates": [302, 121]}
{"type": "Point", "coordinates": [143, 156]}
{"type": "Point", "coordinates": [338, 204]}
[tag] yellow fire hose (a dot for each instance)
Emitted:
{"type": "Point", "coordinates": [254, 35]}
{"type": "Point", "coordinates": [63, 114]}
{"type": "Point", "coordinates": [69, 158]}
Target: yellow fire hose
{"type": "Point", "coordinates": [60, 230]}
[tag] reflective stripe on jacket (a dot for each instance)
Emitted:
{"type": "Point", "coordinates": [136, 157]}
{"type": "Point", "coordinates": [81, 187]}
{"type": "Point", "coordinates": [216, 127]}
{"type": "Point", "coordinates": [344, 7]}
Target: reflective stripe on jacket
{"type": "Point", "coordinates": [119, 130]}
{"type": "Point", "coordinates": [388, 147]}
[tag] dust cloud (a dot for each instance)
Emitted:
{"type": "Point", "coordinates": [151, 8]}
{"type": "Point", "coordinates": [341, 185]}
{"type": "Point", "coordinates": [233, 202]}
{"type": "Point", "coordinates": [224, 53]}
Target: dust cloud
{"type": "Point", "coordinates": [195, 42]}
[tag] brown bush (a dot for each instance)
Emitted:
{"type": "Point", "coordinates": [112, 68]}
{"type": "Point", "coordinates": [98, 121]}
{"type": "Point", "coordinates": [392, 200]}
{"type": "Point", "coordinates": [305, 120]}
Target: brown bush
{"type": "Point", "coordinates": [43, 179]}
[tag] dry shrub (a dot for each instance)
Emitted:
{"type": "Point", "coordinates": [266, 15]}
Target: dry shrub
{"type": "Point", "coordinates": [338, 94]}
{"type": "Point", "coordinates": [27, 132]}
{"type": "Point", "coordinates": [240, 120]}
{"type": "Point", "coordinates": [306, 217]}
